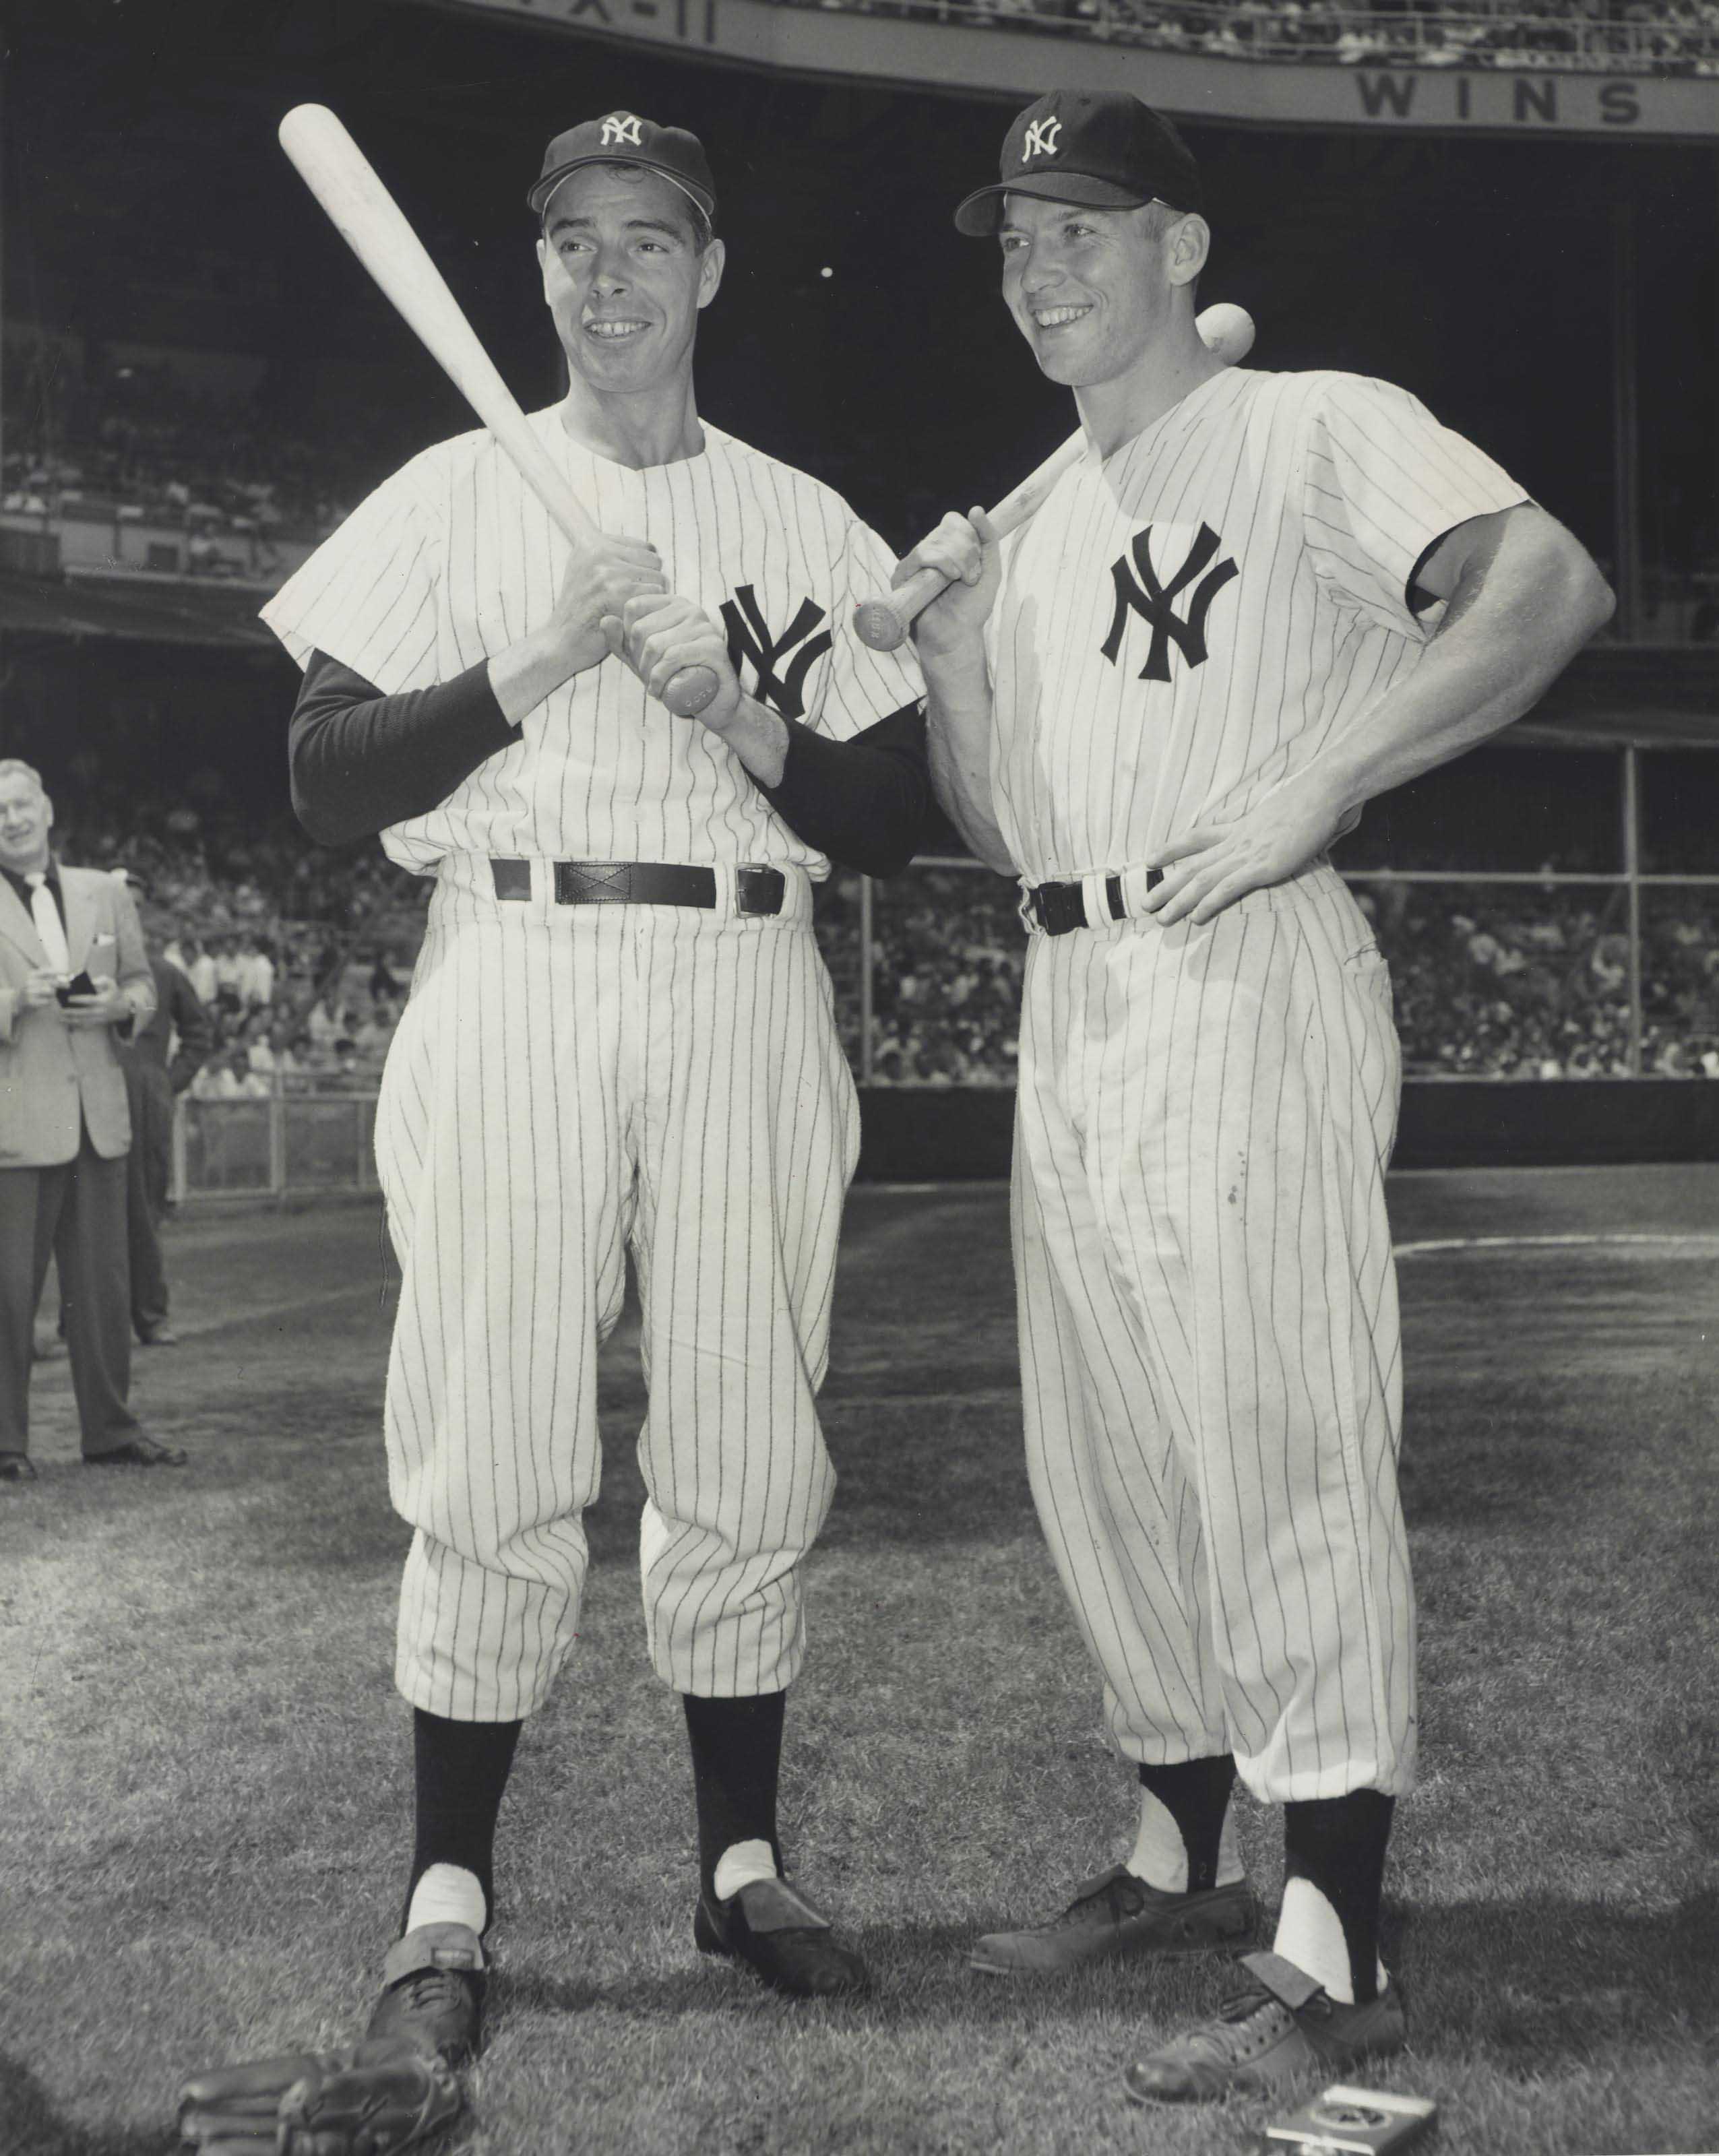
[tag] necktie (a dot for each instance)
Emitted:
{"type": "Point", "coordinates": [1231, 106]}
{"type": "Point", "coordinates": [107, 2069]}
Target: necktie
{"type": "Point", "coordinates": [44, 911]}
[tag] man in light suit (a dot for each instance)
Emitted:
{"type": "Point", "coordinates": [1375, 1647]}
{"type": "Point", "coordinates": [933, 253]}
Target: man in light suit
{"type": "Point", "coordinates": [73, 974]}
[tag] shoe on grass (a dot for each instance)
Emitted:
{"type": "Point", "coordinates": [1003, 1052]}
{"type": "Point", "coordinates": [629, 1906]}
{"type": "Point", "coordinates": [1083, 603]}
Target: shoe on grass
{"type": "Point", "coordinates": [1118, 1917]}
{"type": "Point", "coordinates": [433, 1993]}
{"type": "Point", "coordinates": [1271, 2036]}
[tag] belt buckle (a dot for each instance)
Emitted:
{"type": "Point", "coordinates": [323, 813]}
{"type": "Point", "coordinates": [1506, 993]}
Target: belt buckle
{"type": "Point", "coordinates": [1062, 907]}
{"type": "Point", "coordinates": [759, 891]}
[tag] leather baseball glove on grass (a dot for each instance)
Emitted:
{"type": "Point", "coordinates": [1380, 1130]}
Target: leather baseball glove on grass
{"type": "Point", "coordinates": [370, 2101]}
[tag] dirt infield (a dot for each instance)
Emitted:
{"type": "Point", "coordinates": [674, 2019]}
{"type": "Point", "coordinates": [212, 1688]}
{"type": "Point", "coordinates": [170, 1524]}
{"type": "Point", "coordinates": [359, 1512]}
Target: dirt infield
{"type": "Point", "coordinates": [204, 1792]}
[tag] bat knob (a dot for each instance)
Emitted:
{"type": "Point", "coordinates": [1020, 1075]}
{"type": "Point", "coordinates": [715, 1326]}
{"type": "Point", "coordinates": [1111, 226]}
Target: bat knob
{"type": "Point", "coordinates": [877, 624]}
{"type": "Point", "coordinates": [691, 689]}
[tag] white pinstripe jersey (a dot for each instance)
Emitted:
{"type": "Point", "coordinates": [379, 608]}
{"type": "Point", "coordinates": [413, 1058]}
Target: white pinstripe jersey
{"type": "Point", "coordinates": [454, 558]}
{"type": "Point", "coordinates": [1183, 624]}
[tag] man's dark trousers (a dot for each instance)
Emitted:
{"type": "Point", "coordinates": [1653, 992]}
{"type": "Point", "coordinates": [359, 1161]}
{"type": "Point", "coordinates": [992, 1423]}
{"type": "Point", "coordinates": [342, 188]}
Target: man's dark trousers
{"type": "Point", "coordinates": [148, 1168]}
{"type": "Point", "coordinates": [74, 1213]}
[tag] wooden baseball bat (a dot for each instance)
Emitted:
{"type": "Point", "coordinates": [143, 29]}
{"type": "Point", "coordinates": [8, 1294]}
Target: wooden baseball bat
{"type": "Point", "coordinates": [883, 622]}
{"type": "Point", "coordinates": [373, 225]}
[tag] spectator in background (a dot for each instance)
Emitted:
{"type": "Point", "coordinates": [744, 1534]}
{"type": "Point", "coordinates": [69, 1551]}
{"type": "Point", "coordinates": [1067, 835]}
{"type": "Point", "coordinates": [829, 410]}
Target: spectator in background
{"type": "Point", "coordinates": [64, 1127]}
{"type": "Point", "coordinates": [199, 969]}
{"type": "Point", "coordinates": [382, 982]}
{"type": "Point", "coordinates": [162, 1057]}
{"type": "Point", "coordinates": [323, 1022]}
{"type": "Point", "coordinates": [275, 1058]}
{"type": "Point", "coordinates": [228, 974]}
{"type": "Point", "coordinates": [231, 1079]}
{"type": "Point", "coordinates": [256, 973]}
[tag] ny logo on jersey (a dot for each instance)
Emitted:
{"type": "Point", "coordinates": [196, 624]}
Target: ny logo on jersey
{"type": "Point", "coordinates": [621, 127]}
{"type": "Point", "coordinates": [749, 639]}
{"type": "Point", "coordinates": [1041, 139]}
{"type": "Point", "coordinates": [1155, 602]}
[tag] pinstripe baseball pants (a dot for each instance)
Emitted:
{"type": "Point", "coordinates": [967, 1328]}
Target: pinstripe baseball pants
{"type": "Point", "coordinates": [567, 1081]}
{"type": "Point", "coordinates": [1208, 1327]}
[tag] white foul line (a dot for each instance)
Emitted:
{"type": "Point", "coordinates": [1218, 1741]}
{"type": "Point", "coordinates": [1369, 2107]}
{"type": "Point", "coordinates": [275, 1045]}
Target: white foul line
{"type": "Point", "coordinates": [1692, 1240]}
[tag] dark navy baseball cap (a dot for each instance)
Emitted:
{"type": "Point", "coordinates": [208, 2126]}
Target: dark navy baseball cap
{"type": "Point", "coordinates": [1101, 148]}
{"type": "Point", "coordinates": [624, 138]}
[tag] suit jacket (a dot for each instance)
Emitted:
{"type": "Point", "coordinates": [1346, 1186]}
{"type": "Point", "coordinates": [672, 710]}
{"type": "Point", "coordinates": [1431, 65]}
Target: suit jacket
{"type": "Point", "coordinates": [53, 1077]}
{"type": "Point", "coordinates": [178, 1008]}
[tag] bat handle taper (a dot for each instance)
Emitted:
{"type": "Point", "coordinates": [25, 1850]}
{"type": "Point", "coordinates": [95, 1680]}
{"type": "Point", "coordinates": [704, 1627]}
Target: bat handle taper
{"type": "Point", "coordinates": [883, 624]}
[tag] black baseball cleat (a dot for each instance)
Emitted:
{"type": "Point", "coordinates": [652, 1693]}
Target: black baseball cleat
{"type": "Point", "coordinates": [433, 1993]}
{"type": "Point", "coordinates": [1118, 1917]}
{"type": "Point", "coordinates": [1281, 2030]}
{"type": "Point", "coordinates": [782, 1938]}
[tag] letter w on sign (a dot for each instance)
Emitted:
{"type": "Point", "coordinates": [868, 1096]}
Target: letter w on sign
{"type": "Point", "coordinates": [750, 641]}
{"type": "Point", "coordinates": [1155, 602]}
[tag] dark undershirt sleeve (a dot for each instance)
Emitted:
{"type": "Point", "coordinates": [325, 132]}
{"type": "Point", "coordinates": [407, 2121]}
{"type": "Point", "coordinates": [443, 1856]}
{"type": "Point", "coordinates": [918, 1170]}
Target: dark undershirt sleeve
{"type": "Point", "coordinates": [360, 761]}
{"type": "Point", "coordinates": [863, 802]}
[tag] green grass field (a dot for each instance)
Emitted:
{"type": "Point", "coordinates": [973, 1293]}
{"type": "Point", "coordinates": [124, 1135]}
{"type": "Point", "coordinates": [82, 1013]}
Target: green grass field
{"type": "Point", "coordinates": [204, 1790]}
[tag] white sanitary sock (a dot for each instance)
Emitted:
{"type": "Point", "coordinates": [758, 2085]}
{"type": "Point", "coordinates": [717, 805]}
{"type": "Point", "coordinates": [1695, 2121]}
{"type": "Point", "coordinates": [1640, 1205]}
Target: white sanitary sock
{"type": "Point", "coordinates": [448, 1894]}
{"type": "Point", "coordinates": [1160, 1856]}
{"type": "Point", "coordinates": [1309, 1933]}
{"type": "Point", "coordinates": [740, 1865]}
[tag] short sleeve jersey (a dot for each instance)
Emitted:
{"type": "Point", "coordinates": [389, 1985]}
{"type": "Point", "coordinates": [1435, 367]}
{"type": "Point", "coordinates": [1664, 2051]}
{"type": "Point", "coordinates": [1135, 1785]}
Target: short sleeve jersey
{"type": "Point", "coordinates": [453, 559]}
{"type": "Point", "coordinates": [1186, 623]}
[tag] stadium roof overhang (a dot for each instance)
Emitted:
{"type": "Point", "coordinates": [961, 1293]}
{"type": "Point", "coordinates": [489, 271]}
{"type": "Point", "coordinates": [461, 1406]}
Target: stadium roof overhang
{"type": "Point", "coordinates": [209, 619]}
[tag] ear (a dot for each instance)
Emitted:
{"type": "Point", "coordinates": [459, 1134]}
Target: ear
{"type": "Point", "coordinates": [710, 265]}
{"type": "Point", "coordinates": [1190, 243]}
{"type": "Point", "coordinates": [48, 811]}
{"type": "Point", "coordinates": [549, 266]}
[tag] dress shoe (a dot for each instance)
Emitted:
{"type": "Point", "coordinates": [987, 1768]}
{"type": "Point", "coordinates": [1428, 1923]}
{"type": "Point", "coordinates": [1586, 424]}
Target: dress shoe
{"type": "Point", "coordinates": [1118, 1917]}
{"type": "Point", "coordinates": [782, 1938]}
{"type": "Point", "coordinates": [139, 1451]}
{"type": "Point", "coordinates": [17, 1467]}
{"type": "Point", "coordinates": [1281, 2030]}
{"type": "Point", "coordinates": [433, 1993]}
{"type": "Point", "coordinates": [158, 1336]}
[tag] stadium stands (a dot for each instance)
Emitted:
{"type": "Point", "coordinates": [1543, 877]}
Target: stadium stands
{"type": "Point", "coordinates": [1665, 37]}
{"type": "Point", "coordinates": [1519, 980]}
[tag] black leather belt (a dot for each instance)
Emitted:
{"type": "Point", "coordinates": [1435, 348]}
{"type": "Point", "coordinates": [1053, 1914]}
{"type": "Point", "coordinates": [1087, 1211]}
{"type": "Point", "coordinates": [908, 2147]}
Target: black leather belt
{"type": "Point", "coordinates": [642, 883]}
{"type": "Point", "coordinates": [1058, 907]}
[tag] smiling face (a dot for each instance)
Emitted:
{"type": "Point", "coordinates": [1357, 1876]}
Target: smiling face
{"type": "Point", "coordinates": [25, 819]}
{"type": "Point", "coordinates": [1092, 291]}
{"type": "Point", "coordinates": [624, 276]}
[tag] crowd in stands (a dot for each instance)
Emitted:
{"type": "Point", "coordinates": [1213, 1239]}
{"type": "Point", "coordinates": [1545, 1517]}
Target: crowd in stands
{"type": "Point", "coordinates": [1490, 981]}
{"type": "Point", "coordinates": [301, 956]}
{"type": "Point", "coordinates": [1668, 37]}
{"type": "Point", "coordinates": [140, 444]}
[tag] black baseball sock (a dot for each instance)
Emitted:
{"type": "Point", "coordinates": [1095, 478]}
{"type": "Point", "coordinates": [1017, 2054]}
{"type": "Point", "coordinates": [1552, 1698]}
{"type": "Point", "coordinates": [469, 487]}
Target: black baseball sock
{"type": "Point", "coordinates": [1196, 1795]}
{"type": "Point", "coordinates": [1338, 1844]}
{"type": "Point", "coordinates": [462, 1769]}
{"type": "Point", "coordinates": [736, 1765]}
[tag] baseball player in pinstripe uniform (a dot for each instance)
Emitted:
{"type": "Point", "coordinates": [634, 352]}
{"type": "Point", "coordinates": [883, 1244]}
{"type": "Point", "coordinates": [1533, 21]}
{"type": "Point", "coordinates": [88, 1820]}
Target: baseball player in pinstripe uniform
{"type": "Point", "coordinates": [1260, 600]}
{"type": "Point", "coordinates": [619, 1036]}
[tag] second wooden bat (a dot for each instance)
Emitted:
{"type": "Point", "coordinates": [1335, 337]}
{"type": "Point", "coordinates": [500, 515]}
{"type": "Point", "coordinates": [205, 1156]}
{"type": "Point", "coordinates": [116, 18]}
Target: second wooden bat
{"type": "Point", "coordinates": [373, 225]}
{"type": "Point", "coordinates": [883, 622]}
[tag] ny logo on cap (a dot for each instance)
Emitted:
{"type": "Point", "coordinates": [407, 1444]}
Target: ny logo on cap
{"type": "Point", "coordinates": [1041, 139]}
{"type": "Point", "coordinates": [623, 127]}
{"type": "Point", "coordinates": [1155, 601]}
